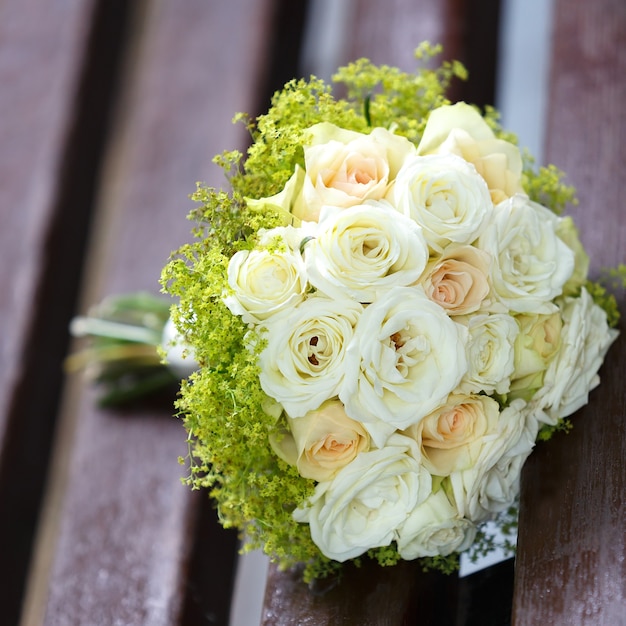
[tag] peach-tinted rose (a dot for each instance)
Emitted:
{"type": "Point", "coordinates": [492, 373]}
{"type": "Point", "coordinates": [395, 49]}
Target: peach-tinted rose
{"type": "Point", "coordinates": [344, 168]}
{"type": "Point", "coordinates": [322, 441]}
{"type": "Point", "coordinates": [457, 281]}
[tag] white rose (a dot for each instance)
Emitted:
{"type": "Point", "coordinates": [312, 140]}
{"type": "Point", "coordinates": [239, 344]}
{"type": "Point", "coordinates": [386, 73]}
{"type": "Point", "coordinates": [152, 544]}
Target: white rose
{"type": "Point", "coordinates": [434, 528]}
{"type": "Point", "coordinates": [573, 372]}
{"type": "Point", "coordinates": [492, 484]}
{"type": "Point", "coordinates": [531, 263]}
{"type": "Point", "coordinates": [458, 280]}
{"type": "Point", "coordinates": [363, 250]}
{"type": "Point", "coordinates": [367, 500]}
{"type": "Point", "coordinates": [179, 356]}
{"type": "Point", "coordinates": [322, 442]}
{"type": "Point", "coordinates": [405, 358]}
{"type": "Point", "coordinates": [445, 195]}
{"type": "Point", "coordinates": [453, 436]}
{"type": "Point", "coordinates": [303, 362]}
{"type": "Point", "coordinates": [490, 353]}
{"type": "Point", "coordinates": [344, 168]}
{"type": "Point", "coordinates": [460, 129]}
{"type": "Point", "coordinates": [266, 281]}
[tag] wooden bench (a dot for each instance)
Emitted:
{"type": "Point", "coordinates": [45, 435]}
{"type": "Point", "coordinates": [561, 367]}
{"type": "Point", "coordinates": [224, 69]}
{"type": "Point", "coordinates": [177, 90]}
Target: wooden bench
{"type": "Point", "coordinates": [111, 111]}
{"type": "Point", "coordinates": [116, 531]}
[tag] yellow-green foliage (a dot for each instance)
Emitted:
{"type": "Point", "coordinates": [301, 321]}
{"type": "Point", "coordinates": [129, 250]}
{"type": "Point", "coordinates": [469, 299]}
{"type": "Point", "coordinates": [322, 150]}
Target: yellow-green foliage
{"type": "Point", "coordinates": [546, 186]}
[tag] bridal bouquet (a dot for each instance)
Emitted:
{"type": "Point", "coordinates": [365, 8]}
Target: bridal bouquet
{"type": "Point", "coordinates": [387, 310]}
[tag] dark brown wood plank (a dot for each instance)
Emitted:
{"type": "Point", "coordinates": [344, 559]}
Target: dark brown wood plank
{"type": "Point", "coordinates": [571, 563]}
{"type": "Point", "coordinates": [45, 60]}
{"type": "Point", "coordinates": [366, 596]}
{"type": "Point", "coordinates": [116, 539]}
{"type": "Point", "coordinates": [40, 85]}
{"type": "Point", "coordinates": [388, 32]}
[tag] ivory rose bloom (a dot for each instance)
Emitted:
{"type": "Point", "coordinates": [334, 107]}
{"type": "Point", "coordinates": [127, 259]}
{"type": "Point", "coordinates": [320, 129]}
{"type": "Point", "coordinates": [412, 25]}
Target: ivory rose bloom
{"type": "Point", "coordinates": [303, 362]}
{"type": "Point", "coordinates": [490, 353]}
{"type": "Point", "coordinates": [266, 281]}
{"type": "Point", "coordinates": [538, 341]}
{"type": "Point", "coordinates": [445, 195]}
{"type": "Point", "coordinates": [531, 264]}
{"type": "Point", "coordinates": [363, 250]}
{"type": "Point", "coordinates": [366, 501]}
{"type": "Point", "coordinates": [344, 168]}
{"type": "Point", "coordinates": [434, 528]}
{"type": "Point", "coordinates": [491, 485]}
{"type": "Point", "coordinates": [322, 442]}
{"type": "Point", "coordinates": [573, 373]}
{"type": "Point", "coordinates": [458, 280]}
{"type": "Point", "coordinates": [459, 129]}
{"type": "Point", "coordinates": [405, 358]}
{"type": "Point", "coordinates": [452, 437]}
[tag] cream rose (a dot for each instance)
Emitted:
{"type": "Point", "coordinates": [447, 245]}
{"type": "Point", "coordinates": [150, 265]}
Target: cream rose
{"type": "Point", "coordinates": [445, 195]}
{"type": "Point", "coordinates": [538, 341]}
{"type": "Point", "coordinates": [367, 500]}
{"type": "Point", "coordinates": [344, 168]}
{"type": "Point", "coordinates": [266, 281]}
{"type": "Point", "coordinates": [405, 358]}
{"type": "Point", "coordinates": [490, 353]}
{"type": "Point", "coordinates": [573, 372]}
{"type": "Point", "coordinates": [321, 442]}
{"type": "Point", "coordinates": [363, 250]}
{"type": "Point", "coordinates": [303, 362]}
{"type": "Point", "coordinates": [434, 528]}
{"type": "Point", "coordinates": [531, 264]}
{"type": "Point", "coordinates": [458, 280]}
{"type": "Point", "coordinates": [491, 485]}
{"type": "Point", "coordinates": [459, 129]}
{"type": "Point", "coordinates": [452, 437]}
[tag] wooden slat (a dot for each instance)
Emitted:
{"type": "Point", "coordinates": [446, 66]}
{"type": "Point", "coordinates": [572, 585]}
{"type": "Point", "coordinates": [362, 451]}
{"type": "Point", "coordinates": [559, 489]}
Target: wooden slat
{"type": "Point", "coordinates": [571, 563]}
{"type": "Point", "coordinates": [44, 56]}
{"type": "Point", "coordinates": [388, 32]}
{"type": "Point", "coordinates": [367, 596]}
{"type": "Point", "coordinates": [116, 539]}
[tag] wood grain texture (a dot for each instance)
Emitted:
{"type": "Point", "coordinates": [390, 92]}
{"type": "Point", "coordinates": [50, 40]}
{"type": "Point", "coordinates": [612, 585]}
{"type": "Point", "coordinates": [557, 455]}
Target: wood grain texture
{"type": "Point", "coordinates": [366, 596]}
{"type": "Point", "coordinates": [117, 535]}
{"type": "Point", "coordinates": [388, 33]}
{"type": "Point", "coordinates": [44, 61]}
{"type": "Point", "coordinates": [41, 62]}
{"type": "Point", "coordinates": [571, 563]}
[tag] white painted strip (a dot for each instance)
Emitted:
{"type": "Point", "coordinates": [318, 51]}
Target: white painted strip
{"type": "Point", "coordinates": [249, 590]}
{"type": "Point", "coordinates": [523, 70]}
{"type": "Point", "coordinates": [323, 45]}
